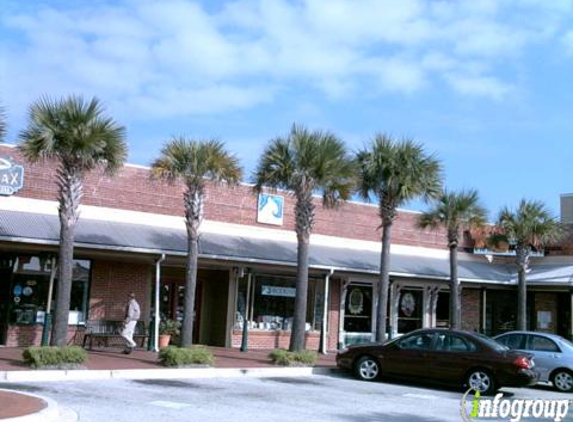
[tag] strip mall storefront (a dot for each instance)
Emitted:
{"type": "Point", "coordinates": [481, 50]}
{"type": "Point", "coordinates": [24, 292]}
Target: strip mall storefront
{"type": "Point", "coordinates": [131, 229]}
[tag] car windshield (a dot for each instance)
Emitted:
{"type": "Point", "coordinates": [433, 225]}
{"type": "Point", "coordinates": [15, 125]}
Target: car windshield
{"type": "Point", "coordinates": [491, 343]}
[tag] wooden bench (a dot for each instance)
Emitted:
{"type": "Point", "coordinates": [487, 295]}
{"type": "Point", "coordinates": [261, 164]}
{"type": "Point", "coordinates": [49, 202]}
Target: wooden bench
{"type": "Point", "coordinates": [108, 333]}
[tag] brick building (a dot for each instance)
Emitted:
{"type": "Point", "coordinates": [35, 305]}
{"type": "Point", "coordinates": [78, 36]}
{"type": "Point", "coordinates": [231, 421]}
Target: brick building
{"type": "Point", "coordinates": [131, 237]}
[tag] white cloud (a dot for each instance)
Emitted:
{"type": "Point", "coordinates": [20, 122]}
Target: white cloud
{"type": "Point", "coordinates": [483, 86]}
{"type": "Point", "coordinates": [174, 57]}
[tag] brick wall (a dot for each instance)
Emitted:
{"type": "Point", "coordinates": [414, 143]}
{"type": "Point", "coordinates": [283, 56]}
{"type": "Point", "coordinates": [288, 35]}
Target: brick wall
{"type": "Point", "coordinates": [132, 189]}
{"type": "Point", "coordinates": [31, 335]}
{"type": "Point", "coordinates": [111, 282]}
{"type": "Point", "coordinates": [471, 309]}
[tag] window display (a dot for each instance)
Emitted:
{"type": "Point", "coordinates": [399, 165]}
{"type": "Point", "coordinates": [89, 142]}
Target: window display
{"type": "Point", "coordinates": [29, 292]}
{"type": "Point", "coordinates": [270, 303]}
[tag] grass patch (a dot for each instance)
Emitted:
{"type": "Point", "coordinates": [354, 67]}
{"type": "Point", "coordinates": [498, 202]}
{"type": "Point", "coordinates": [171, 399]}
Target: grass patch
{"type": "Point", "coordinates": [174, 356]}
{"type": "Point", "coordinates": [54, 357]}
{"type": "Point", "coordinates": [285, 358]}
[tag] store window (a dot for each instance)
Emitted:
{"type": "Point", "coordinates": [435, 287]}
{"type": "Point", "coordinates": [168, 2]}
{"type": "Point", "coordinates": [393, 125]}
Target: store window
{"type": "Point", "coordinates": [410, 310]}
{"type": "Point", "coordinates": [270, 303]}
{"type": "Point", "coordinates": [358, 309]}
{"type": "Point", "coordinates": [29, 286]}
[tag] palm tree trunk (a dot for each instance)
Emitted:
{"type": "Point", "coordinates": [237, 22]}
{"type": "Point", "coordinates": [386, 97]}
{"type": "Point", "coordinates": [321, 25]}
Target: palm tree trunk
{"type": "Point", "coordinates": [194, 200]}
{"type": "Point", "coordinates": [522, 258]}
{"type": "Point", "coordinates": [64, 289]}
{"type": "Point", "coordinates": [190, 288]}
{"type": "Point", "coordinates": [384, 281]}
{"type": "Point", "coordinates": [70, 185]}
{"type": "Point", "coordinates": [304, 220]}
{"type": "Point", "coordinates": [297, 340]}
{"type": "Point", "coordinates": [455, 305]}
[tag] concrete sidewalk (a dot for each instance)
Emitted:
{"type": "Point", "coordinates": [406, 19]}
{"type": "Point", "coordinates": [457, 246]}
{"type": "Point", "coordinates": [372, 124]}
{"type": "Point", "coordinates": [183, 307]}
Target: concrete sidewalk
{"type": "Point", "coordinates": [112, 363]}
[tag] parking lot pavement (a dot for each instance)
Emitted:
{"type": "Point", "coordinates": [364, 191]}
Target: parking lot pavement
{"type": "Point", "coordinates": [314, 398]}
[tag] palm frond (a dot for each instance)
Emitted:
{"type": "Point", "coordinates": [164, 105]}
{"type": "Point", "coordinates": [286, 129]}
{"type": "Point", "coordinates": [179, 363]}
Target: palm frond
{"type": "Point", "coordinates": [397, 171]}
{"type": "Point", "coordinates": [195, 161]}
{"type": "Point", "coordinates": [309, 161]}
{"type": "Point", "coordinates": [530, 224]}
{"type": "Point", "coordinates": [454, 210]}
{"type": "Point", "coordinates": [74, 131]}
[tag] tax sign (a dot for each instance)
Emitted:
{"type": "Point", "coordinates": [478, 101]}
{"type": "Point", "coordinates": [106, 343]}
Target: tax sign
{"type": "Point", "coordinates": [11, 177]}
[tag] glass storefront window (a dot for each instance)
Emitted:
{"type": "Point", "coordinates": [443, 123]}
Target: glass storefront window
{"type": "Point", "coordinates": [29, 285]}
{"type": "Point", "coordinates": [410, 310]}
{"type": "Point", "coordinates": [358, 309]}
{"type": "Point", "coordinates": [270, 303]}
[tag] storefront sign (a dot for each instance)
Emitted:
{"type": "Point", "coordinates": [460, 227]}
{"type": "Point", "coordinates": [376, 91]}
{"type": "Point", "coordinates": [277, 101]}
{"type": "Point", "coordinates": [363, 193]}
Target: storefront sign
{"type": "Point", "coordinates": [270, 209]}
{"type": "Point", "coordinates": [11, 177]}
{"type": "Point", "coordinates": [278, 291]}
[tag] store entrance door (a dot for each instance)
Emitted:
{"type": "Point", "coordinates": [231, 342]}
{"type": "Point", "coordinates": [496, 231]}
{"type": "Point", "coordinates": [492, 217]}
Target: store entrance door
{"type": "Point", "coordinates": [6, 267]}
{"type": "Point", "coordinates": [172, 302]}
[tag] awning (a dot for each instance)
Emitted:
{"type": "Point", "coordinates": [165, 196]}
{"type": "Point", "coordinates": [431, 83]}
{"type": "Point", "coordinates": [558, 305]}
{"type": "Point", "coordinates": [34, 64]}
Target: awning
{"type": "Point", "coordinates": [36, 228]}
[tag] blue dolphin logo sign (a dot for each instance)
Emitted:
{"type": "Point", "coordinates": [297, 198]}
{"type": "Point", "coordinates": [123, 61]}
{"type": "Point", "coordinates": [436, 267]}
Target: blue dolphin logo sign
{"type": "Point", "coordinates": [11, 177]}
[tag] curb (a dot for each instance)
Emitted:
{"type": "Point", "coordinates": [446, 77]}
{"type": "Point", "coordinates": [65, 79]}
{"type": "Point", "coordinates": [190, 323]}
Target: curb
{"type": "Point", "coordinates": [49, 414]}
{"type": "Point", "coordinates": [190, 373]}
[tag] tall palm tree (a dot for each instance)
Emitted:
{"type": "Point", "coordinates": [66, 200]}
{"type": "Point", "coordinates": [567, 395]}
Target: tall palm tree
{"type": "Point", "coordinates": [194, 163]}
{"type": "Point", "coordinates": [532, 225]}
{"type": "Point", "coordinates": [394, 172]}
{"type": "Point", "coordinates": [80, 138]}
{"type": "Point", "coordinates": [306, 162]}
{"type": "Point", "coordinates": [455, 211]}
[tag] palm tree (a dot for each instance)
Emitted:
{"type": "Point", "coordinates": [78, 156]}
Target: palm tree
{"type": "Point", "coordinates": [454, 211]}
{"type": "Point", "coordinates": [306, 162]}
{"type": "Point", "coordinates": [195, 163]}
{"type": "Point", "coordinates": [80, 138]}
{"type": "Point", "coordinates": [394, 172]}
{"type": "Point", "coordinates": [531, 226]}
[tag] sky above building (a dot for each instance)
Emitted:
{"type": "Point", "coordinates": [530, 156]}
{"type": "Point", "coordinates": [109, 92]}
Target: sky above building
{"type": "Point", "coordinates": [485, 85]}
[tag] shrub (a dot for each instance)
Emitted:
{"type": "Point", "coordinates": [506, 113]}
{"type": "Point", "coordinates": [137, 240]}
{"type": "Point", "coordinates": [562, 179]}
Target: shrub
{"type": "Point", "coordinates": [285, 358]}
{"type": "Point", "coordinates": [54, 357]}
{"type": "Point", "coordinates": [282, 357]}
{"type": "Point", "coordinates": [182, 356]}
{"type": "Point", "coordinates": [169, 327]}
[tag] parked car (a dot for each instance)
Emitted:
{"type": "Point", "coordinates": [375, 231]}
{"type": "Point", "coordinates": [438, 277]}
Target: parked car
{"type": "Point", "coordinates": [449, 356]}
{"type": "Point", "coordinates": [552, 353]}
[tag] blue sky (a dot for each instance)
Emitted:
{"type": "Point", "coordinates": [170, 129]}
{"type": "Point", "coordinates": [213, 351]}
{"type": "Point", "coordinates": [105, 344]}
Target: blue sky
{"type": "Point", "coordinates": [486, 85]}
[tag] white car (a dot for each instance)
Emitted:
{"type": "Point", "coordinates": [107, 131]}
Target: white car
{"type": "Point", "coordinates": [553, 355]}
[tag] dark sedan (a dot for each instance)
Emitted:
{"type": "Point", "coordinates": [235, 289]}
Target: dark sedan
{"type": "Point", "coordinates": [449, 356]}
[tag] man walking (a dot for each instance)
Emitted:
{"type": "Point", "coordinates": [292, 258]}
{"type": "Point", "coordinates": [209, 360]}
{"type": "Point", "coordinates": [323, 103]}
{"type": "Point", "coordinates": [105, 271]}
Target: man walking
{"type": "Point", "coordinates": [132, 314]}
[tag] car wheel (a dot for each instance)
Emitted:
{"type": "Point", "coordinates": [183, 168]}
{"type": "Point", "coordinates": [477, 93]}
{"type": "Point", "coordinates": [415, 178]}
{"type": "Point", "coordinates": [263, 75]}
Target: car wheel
{"type": "Point", "coordinates": [562, 380]}
{"type": "Point", "coordinates": [481, 380]}
{"type": "Point", "coordinates": [367, 368]}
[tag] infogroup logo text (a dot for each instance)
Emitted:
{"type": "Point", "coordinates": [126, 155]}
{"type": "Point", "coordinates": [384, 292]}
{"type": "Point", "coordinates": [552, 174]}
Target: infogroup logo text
{"type": "Point", "coordinates": [481, 409]}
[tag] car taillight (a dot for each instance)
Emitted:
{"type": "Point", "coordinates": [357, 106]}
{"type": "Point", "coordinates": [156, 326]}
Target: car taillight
{"type": "Point", "coordinates": [523, 362]}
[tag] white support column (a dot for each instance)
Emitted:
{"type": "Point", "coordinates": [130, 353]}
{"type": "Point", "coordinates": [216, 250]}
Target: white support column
{"type": "Point", "coordinates": [341, 312]}
{"type": "Point", "coordinates": [395, 304]}
{"type": "Point", "coordinates": [324, 330]}
{"type": "Point", "coordinates": [157, 292]}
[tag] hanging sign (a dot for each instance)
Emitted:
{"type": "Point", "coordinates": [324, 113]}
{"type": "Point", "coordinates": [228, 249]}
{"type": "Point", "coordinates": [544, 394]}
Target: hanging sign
{"type": "Point", "coordinates": [11, 177]}
{"type": "Point", "coordinates": [278, 291]}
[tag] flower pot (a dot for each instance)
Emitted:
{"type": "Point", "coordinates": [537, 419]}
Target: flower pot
{"type": "Point", "coordinates": [164, 340]}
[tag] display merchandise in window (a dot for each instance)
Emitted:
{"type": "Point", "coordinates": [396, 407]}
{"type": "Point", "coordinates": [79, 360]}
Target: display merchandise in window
{"type": "Point", "coordinates": [29, 282]}
{"type": "Point", "coordinates": [270, 303]}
